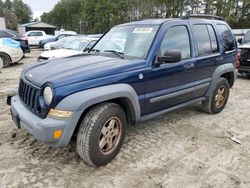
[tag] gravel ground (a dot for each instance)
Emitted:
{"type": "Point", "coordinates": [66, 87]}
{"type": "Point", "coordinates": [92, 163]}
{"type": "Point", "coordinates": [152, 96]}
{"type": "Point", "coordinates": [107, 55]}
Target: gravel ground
{"type": "Point", "coordinates": [186, 148]}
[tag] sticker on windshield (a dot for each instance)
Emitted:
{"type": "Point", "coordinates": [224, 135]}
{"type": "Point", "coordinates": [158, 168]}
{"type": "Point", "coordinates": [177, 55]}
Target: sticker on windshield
{"type": "Point", "coordinates": [143, 30]}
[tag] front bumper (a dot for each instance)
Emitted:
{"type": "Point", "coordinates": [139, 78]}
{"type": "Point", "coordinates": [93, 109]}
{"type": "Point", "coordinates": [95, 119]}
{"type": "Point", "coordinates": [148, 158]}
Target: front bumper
{"type": "Point", "coordinates": [42, 129]}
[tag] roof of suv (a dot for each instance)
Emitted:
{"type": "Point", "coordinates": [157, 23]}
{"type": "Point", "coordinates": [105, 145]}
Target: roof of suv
{"type": "Point", "coordinates": [161, 21]}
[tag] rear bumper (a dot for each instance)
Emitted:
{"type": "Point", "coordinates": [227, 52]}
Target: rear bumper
{"type": "Point", "coordinates": [27, 50]}
{"type": "Point", "coordinates": [244, 69]}
{"type": "Point", "coordinates": [42, 129]}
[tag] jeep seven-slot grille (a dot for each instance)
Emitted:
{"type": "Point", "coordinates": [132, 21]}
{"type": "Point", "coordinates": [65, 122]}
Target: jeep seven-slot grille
{"type": "Point", "coordinates": [29, 95]}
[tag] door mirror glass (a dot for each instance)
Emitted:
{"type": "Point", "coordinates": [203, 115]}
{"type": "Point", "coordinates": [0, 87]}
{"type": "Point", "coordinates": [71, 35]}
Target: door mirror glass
{"type": "Point", "coordinates": [170, 56]}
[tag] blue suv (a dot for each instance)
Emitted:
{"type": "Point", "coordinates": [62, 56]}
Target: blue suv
{"type": "Point", "coordinates": [136, 71]}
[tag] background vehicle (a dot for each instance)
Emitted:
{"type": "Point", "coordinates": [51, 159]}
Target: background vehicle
{"type": "Point", "coordinates": [135, 72]}
{"type": "Point", "coordinates": [5, 33]}
{"type": "Point", "coordinates": [1, 64]}
{"type": "Point", "coordinates": [244, 50]}
{"type": "Point", "coordinates": [35, 36]}
{"type": "Point", "coordinates": [10, 51]}
{"type": "Point", "coordinates": [75, 47]}
{"type": "Point", "coordinates": [60, 43]}
{"type": "Point", "coordinates": [52, 39]}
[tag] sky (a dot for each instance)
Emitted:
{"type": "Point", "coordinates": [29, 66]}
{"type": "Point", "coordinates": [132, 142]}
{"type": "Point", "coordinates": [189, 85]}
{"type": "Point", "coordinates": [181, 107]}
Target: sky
{"type": "Point", "coordinates": [40, 6]}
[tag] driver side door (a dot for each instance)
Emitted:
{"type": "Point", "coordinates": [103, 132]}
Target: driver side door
{"type": "Point", "coordinates": [170, 84]}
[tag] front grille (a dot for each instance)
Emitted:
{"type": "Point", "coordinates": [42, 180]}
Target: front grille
{"type": "Point", "coordinates": [245, 57]}
{"type": "Point", "coordinates": [29, 95]}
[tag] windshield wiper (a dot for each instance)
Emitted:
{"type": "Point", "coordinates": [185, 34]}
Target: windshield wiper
{"type": "Point", "coordinates": [119, 54]}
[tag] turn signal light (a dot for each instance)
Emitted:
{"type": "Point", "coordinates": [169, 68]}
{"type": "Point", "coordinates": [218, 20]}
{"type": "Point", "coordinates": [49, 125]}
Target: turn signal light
{"type": "Point", "coordinates": [57, 134]}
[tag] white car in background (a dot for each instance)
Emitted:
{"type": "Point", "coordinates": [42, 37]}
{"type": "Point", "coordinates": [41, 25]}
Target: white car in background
{"type": "Point", "coordinates": [1, 64]}
{"type": "Point", "coordinates": [35, 36]}
{"type": "Point", "coordinates": [10, 51]}
{"type": "Point", "coordinates": [75, 47]}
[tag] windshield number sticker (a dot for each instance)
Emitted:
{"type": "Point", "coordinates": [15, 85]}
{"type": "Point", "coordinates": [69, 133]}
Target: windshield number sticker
{"type": "Point", "coordinates": [143, 30]}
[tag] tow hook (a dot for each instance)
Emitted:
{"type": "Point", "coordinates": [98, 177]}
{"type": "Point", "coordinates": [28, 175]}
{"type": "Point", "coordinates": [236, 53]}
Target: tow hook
{"type": "Point", "coordinates": [10, 94]}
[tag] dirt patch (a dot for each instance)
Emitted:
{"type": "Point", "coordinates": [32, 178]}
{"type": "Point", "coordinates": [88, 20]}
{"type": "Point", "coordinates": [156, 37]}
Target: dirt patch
{"type": "Point", "coordinates": [186, 148]}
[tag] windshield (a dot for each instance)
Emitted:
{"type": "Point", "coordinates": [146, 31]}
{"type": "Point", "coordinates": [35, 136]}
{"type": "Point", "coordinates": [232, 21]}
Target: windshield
{"type": "Point", "coordinates": [131, 41]}
{"type": "Point", "coordinates": [247, 37]}
{"type": "Point", "coordinates": [77, 44]}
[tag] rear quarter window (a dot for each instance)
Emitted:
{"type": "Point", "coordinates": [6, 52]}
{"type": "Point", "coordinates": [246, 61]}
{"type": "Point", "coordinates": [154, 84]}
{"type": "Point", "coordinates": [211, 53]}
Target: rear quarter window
{"type": "Point", "coordinates": [226, 37]}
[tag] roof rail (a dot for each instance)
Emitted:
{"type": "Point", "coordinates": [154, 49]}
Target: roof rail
{"type": "Point", "coordinates": [206, 16]}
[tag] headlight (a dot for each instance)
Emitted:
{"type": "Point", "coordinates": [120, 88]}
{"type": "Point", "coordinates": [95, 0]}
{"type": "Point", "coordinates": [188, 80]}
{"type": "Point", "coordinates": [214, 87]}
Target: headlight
{"type": "Point", "coordinates": [48, 95]}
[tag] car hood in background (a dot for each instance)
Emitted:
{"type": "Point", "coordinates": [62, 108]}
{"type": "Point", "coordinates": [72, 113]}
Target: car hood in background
{"type": "Point", "coordinates": [60, 53]}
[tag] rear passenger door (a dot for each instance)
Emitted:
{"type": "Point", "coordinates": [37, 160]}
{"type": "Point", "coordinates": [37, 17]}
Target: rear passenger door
{"type": "Point", "coordinates": [207, 53]}
{"type": "Point", "coordinates": [171, 84]}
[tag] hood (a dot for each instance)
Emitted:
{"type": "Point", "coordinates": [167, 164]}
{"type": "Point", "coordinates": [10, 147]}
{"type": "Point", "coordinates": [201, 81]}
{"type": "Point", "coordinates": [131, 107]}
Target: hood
{"type": "Point", "coordinates": [60, 72]}
{"type": "Point", "coordinates": [60, 53]}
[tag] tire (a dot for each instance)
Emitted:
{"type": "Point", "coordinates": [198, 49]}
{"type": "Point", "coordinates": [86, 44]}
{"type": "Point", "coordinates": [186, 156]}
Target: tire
{"type": "Point", "coordinates": [6, 59]}
{"type": "Point", "coordinates": [218, 101]}
{"type": "Point", "coordinates": [104, 119]}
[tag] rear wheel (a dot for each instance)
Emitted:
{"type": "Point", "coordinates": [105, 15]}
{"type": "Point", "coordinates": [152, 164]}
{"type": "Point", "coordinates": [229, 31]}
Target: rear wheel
{"type": "Point", "coordinates": [5, 59]}
{"type": "Point", "coordinates": [101, 134]}
{"type": "Point", "coordinates": [219, 99]}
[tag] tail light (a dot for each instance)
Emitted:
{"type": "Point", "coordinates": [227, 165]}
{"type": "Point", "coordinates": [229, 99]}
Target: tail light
{"type": "Point", "coordinates": [237, 60]}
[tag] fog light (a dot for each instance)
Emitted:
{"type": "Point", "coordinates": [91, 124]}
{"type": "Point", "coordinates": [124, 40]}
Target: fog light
{"type": "Point", "coordinates": [57, 134]}
{"type": "Point", "coordinates": [59, 113]}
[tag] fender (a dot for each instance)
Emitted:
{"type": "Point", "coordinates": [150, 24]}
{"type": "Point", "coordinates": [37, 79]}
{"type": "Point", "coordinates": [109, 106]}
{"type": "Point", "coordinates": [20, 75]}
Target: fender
{"type": "Point", "coordinates": [82, 100]}
{"type": "Point", "coordinates": [79, 102]}
{"type": "Point", "coordinates": [219, 71]}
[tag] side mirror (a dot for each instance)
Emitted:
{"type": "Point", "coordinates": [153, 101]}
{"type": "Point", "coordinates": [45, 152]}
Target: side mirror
{"type": "Point", "coordinates": [171, 56]}
{"type": "Point", "coordinates": [239, 40]}
{"type": "Point", "coordinates": [86, 49]}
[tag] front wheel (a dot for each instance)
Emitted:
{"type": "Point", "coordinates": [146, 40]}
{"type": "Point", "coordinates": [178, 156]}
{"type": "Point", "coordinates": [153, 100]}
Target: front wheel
{"type": "Point", "coordinates": [219, 99]}
{"type": "Point", "coordinates": [101, 134]}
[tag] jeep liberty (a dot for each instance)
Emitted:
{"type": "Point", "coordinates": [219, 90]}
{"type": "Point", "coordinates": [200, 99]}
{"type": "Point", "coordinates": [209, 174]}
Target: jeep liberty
{"type": "Point", "coordinates": [135, 72]}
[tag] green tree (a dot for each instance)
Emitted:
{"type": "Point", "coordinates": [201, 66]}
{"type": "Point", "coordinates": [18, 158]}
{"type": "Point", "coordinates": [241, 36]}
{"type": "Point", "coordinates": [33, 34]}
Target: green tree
{"type": "Point", "coordinates": [98, 16]}
{"type": "Point", "coordinates": [22, 11]}
{"type": "Point", "coordinates": [8, 5]}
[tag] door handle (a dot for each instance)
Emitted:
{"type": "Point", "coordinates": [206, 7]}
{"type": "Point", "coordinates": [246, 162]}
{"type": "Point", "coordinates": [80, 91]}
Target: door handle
{"type": "Point", "coordinates": [188, 65]}
{"type": "Point", "coordinates": [219, 58]}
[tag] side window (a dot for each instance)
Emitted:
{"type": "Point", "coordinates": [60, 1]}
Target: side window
{"type": "Point", "coordinates": [60, 37]}
{"type": "Point", "coordinates": [90, 44]}
{"type": "Point", "coordinates": [176, 38]}
{"type": "Point", "coordinates": [227, 37]}
{"type": "Point", "coordinates": [35, 34]}
{"type": "Point", "coordinates": [205, 39]}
